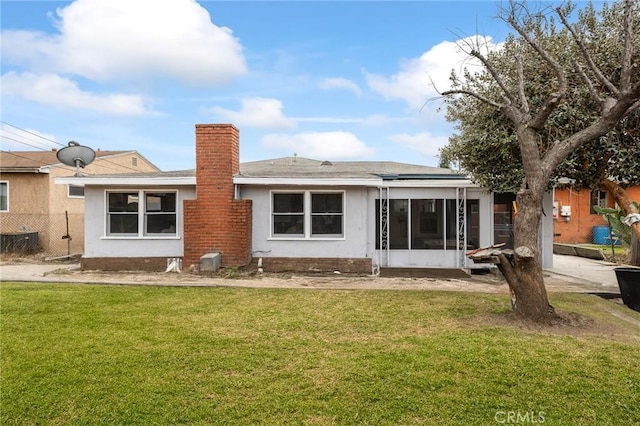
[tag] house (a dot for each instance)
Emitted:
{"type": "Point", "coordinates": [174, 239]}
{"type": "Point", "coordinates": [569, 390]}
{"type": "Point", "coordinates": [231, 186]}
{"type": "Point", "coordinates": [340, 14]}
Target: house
{"type": "Point", "coordinates": [289, 213]}
{"type": "Point", "coordinates": [576, 221]}
{"type": "Point", "coordinates": [36, 214]}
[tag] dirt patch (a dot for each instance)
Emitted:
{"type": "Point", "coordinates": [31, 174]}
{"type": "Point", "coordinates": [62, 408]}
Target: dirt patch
{"type": "Point", "coordinates": [65, 270]}
{"type": "Point", "coordinates": [565, 324]}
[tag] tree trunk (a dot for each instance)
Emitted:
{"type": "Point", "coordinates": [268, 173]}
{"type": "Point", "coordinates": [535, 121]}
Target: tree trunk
{"type": "Point", "coordinates": [622, 198]}
{"type": "Point", "coordinates": [531, 295]}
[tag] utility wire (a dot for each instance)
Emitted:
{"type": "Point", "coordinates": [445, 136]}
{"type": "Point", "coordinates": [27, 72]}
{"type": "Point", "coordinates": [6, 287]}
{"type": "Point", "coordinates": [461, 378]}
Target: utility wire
{"type": "Point", "coordinates": [15, 134]}
{"type": "Point", "coordinates": [106, 160]}
{"type": "Point", "coordinates": [24, 143]}
{"type": "Point", "coordinates": [31, 133]}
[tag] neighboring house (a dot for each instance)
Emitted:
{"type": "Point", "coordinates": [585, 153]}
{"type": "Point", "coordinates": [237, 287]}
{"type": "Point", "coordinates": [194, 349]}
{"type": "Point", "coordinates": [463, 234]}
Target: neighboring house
{"type": "Point", "coordinates": [574, 216]}
{"type": "Point", "coordinates": [292, 213]}
{"type": "Point", "coordinates": [34, 212]}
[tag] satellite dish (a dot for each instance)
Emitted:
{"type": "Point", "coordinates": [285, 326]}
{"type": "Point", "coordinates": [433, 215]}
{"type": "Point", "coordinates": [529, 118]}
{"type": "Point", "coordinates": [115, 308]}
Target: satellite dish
{"type": "Point", "coordinates": [76, 155]}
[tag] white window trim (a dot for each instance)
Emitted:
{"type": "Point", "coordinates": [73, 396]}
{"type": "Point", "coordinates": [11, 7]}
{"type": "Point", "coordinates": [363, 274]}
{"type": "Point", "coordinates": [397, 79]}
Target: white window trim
{"type": "Point", "coordinates": [307, 216]}
{"type": "Point", "coordinates": [7, 183]}
{"type": "Point", "coordinates": [141, 216]}
{"type": "Point", "coordinates": [69, 191]}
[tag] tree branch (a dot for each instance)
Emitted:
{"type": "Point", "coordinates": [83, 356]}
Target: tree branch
{"type": "Point", "coordinates": [616, 110]}
{"type": "Point", "coordinates": [587, 56]}
{"type": "Point", "coordinates": [554, 97]}
{"type": "Point", "coordinates": [523, 98]}
{"type": "Point", "coordinates": [622, 199]}
{"type": "Point", "coordinates": [627, 53]}
{"type": "Point", "coordinates": [474, 95]}
{"type": "Point", "coordinates": [587, 81]}
{"type": "Point", "coordinates": [506, 94]}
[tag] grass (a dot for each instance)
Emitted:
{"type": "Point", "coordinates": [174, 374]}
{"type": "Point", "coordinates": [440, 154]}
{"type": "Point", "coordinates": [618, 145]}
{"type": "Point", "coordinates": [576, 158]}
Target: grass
{"type": "Point", "coordinates": [113, 355]}
{"type": "Point", "coordinates": [618, 249]}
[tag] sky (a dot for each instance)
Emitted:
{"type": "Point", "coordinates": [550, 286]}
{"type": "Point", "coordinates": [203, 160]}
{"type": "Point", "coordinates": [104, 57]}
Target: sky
{"type": "Point", "coordinates": [328, 80]}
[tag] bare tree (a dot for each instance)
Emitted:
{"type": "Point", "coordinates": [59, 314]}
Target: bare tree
{"type": "Point", "coordinates": [546, 66]}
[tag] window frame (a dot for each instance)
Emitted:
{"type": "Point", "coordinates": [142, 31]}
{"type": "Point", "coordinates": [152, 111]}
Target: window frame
{"type": "Point", "coordinates": [5, 183]}
{"type": "Point", "coordinates": [142, 215]}
{"type": "Point", "coordinates": [307, 214]}
{"type": "Point", "coordinates": [602, 200]}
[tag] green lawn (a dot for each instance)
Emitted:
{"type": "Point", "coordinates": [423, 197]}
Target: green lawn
{"type": "Point", "coordinates": [618, 249]}
{"type": "Point", "coordinates": [121, 355]}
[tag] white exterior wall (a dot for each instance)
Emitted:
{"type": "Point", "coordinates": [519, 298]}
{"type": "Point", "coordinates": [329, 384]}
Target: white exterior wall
{"type": "Point", "coordinates": [430, 258]}
{"type": "Point", "coordinates": [98, 244]}
{"type": "Point", "coordinates": [546, 233]}
{"type": "Point", "coordinates": [352, 245]}
{"type": "Point", "coordinates": [360, 227]}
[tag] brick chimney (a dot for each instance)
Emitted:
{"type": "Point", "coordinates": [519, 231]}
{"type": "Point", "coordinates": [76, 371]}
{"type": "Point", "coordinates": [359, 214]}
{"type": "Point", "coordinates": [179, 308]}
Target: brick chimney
{"type": "Point", "coordinates": [215, 221]}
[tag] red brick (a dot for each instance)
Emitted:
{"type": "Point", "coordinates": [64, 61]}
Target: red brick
{"type": "Point", "coordinates": [215, 221]}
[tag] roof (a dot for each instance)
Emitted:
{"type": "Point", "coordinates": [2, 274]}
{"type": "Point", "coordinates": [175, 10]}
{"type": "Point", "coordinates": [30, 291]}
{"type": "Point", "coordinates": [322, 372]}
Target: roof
{"type": "Point", "coordinates": [298, 167]}
{"type": "Point", "coordinates": [35, 160]}
{"type": "Point", "coordinates": [298, 171]}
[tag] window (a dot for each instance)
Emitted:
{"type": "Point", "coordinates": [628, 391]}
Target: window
{"type": "Point", "coordinates": [503, 210]}
{"type": "Point", "coordinates": [308, 214]}
{"type": "Point", "coordinates": [326, 214]}
{"type": "Point", "coordinates": [4, 196]}
{"type": "Point", "coordinates": [598, 198]}
{"type": "Point", "coordinates": [123, 213]}
{"type": "Point", "coordinates": [398, 224]}
{"type": "Point", "coordinates": [152, 212]}
{"type": "Point", "coordinates": [288, 214]}
{"type": "Point", "coordinates": [160, 213]}
{"type": "Point", "coordinates": [433, 224]}
{"type": "Point", "coordinates": [427, 223]}
{"type": "Point", "coordinates": [75, 191]}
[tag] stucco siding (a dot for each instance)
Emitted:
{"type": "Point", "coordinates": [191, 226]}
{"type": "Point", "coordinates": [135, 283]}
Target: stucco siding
{"type": "Point", "coordinates": [99, 245]}
{"type": "Point", "coordinates": [352, 245]}
{"type": "Point", "coordinates": [28, 192]}
{"type": "Point", "coordinates": [360, 228]}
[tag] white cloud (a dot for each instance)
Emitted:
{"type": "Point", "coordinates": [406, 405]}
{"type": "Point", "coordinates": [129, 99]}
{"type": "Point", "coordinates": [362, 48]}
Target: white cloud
{"type": "Point", "coordinates": [424, 143]}
{"type": "Point", "coordinates": [122, 39]}
{"type": "Point", "coordinates": [340, 83]}
{"type": "Point", "coordinates": [54, 90]}
{"type": "Point", "coordinates": [264, 113]}
{"type": "Point", "coordinates": [15, 139]}
{"type": "Point", "coordinates": [414, 82]}
{"type": "Point", "coordinates": [320, 146]}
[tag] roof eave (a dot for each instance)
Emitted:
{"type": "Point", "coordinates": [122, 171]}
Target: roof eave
{"type": "Point", "coordinates": [431, 183]}
{"type": "Point", "coordinates": [127, 181]}
{"type": "Point", "coordinates": [35, 170]}
{"type": "Point", "coordinates": [295, 181]}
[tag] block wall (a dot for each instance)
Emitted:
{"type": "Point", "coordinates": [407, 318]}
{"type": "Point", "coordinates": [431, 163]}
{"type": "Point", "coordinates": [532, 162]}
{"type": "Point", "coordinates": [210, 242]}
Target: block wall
{"type": "Point", "coordinates": [579, 228]}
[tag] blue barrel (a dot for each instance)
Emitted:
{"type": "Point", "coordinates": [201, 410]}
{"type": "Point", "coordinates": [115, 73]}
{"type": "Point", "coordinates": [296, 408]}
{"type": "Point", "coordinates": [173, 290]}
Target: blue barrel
{"type": "Point", "coordinates": [601, 235]}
